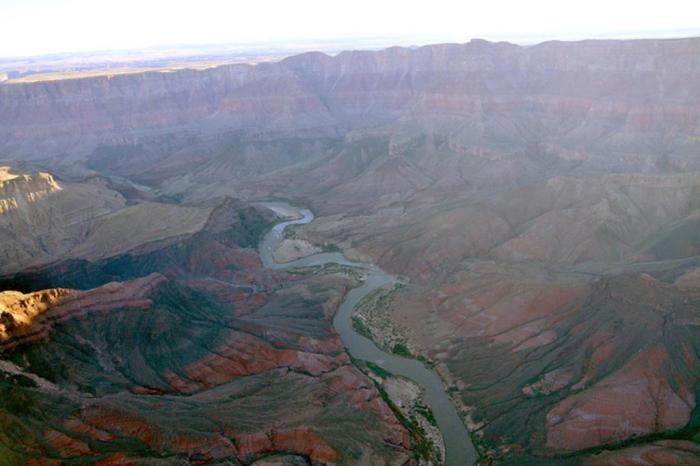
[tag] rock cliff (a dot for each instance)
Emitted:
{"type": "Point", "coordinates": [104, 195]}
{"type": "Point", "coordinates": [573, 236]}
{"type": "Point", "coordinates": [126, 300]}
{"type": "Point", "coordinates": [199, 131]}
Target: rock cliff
{"type": "Point", "coordinates": [543, 200]}
{"type": "Point", "coordinates": [607, 104]}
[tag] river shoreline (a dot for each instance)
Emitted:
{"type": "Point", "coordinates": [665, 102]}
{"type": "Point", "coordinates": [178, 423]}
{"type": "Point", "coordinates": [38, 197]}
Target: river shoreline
{"type": "Point", "coordinates": [459, 450]}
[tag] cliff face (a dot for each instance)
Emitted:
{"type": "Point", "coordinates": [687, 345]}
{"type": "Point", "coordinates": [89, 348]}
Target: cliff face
{"type": "Point", "coordinates": [30, 317]}
{"type": "Point", "coordinates": [204, 357]}
{"type": "Point", "coordinates": [536, 196]}
{"type": "Point", "coordinates": [574, 99]}
{"type": "Point", "coordinates": [559, 363]}
{"type": "Point", "coordinates": [17, 191]}
{"type": "Point", "coordinates": [43, 220]}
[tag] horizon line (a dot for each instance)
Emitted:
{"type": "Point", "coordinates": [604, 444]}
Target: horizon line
{"type": "Point", "coordinates": [296, 45]}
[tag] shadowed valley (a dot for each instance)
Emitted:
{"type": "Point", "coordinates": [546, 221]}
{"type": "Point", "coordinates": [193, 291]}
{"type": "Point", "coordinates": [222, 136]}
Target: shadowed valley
{"type": "Point", "coordinates": [540, 203]}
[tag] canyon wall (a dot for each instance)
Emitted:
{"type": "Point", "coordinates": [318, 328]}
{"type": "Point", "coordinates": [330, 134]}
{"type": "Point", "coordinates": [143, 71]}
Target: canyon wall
{"type": "Point", "coordinates": [541, 201]}
{"type": "Point", "coordinates": [614, 102]}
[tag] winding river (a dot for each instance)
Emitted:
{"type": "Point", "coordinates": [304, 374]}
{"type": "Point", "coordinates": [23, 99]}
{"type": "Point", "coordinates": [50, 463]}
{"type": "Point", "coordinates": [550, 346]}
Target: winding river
{"type": "Point", "coordinates": [459, 450]}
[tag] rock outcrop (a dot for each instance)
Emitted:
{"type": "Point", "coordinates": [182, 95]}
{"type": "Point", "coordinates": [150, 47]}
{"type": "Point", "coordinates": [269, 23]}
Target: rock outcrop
{"type": "Point", "coordinates": [43, 220]}
{"type": "Point", "coordinates": [578, 101]}
{"type": "Point", "coordinates": [17, 191]}
{"type": "Point", "coordinates": [190, 352]}
{"type": "Point", "coordinates": [584, 363]}
{"type": "Point", "coordinates": [27, 318]}
{"type": "Point", "coordinates": [543, 201]}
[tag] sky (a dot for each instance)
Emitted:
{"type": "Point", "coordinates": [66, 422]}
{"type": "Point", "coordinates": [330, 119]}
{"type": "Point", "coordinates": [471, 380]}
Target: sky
{"type": "Point", "coordinates": [36, 27]}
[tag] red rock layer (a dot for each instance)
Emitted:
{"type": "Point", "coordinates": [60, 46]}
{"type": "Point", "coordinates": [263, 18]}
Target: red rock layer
{"type": "Point", "coordinates": [243, 354]}
{"type": "Point", "coordinates": [50, 306]}
{"type": "Point", "coordinates": [634, 86]}
{"type": "Point", "coordinates": [667, 452]}
{"type": "Point", "coordinates": [104, 424]}
{"type": "Point", "coordinates": [637, 400]}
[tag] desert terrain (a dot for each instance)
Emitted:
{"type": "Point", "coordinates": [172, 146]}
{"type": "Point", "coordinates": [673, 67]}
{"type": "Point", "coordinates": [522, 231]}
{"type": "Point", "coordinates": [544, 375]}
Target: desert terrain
{"type": "Point", "coordinates": [540, 203]}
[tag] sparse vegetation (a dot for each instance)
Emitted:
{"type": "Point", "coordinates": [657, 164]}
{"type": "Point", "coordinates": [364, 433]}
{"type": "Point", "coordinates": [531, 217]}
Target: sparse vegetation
{"type": "Point", "coordinates": [401, 349]}
{"type": "Point", "coordinates": [371, 320]}
{"type": "Point", "coordinates": [360, 327]}
{"type": "Point", "coordinates": [330, 247]}
{"type": "Point", "coordinates": [423, 447]}
{"type": "Point", "coordinates": [426, 412]}
{"type": "Point", "coordinates": [327, 269]}
{"type": "Point", "coordinates": [381, 372]}
{"type": "Point", "coordinates": [290, 232]}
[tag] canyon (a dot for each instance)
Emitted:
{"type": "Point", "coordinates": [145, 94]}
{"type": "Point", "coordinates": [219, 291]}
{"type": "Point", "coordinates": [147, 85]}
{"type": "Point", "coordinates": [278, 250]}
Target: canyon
{"type": "Point", "coordinates": [186, 350]}
{"type": "Point", "coordinates": [540, 204]}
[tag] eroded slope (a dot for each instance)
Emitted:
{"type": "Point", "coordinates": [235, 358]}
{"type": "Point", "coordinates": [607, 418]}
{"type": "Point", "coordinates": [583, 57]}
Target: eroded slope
{"type": "Point", "coordinates": [193, 352]}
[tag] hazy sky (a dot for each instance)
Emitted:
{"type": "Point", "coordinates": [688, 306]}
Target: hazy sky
{"type": "Point", "coordinates": [31, 27]}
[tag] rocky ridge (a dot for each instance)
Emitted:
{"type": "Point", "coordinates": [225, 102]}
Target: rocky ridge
{"type": "Point", "coordinates": [185, 350]}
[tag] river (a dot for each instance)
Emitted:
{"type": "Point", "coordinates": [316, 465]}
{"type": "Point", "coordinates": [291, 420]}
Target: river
{"type": "Point", "coordinates": [459, 450]}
